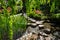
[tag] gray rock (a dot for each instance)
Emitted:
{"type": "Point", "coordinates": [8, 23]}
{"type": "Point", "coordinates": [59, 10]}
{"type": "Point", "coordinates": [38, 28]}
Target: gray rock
{"type": "Point", "coordinates": [33, 24]}
{"type": "Point", "coordinates": [28, 24]}
{"type": "Point", "coordinates": [41, 27]}
{"type": "Point", "coordinates": [39, 22]}
{"type": "Point", "coordinates": [41, 38]}
{"type": "Point", "coordinates": [25, 15]}
{"type": "Point", "coordinates": [28, 30]}
{"type": "Point", "coordinates": [56, 34]}
{"type": "Point", "coordinates": [33, 30]}
{"type": "Point", "coordinates": [43, 34]}
{"type": "Point", "coordinates": [32, 20]}
{"type": "Point", "coordinates": [42, 21]}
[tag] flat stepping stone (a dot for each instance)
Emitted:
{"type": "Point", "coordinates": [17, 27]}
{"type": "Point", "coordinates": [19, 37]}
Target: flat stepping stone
{"type": "Point", "coordinates": [41, 26]}
{"type": "Point", "coordinates": [39, 22]}
{"type": "Point", "coordinates": [31, 24]}
{"type": "Point", "coordinates": [43, 34]}
{"type": "Point", "coordinates": [32, 20]}
{"type": "Point", "coordinates": [28, 24]}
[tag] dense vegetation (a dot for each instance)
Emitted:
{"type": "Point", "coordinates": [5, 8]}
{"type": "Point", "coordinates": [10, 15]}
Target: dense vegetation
{"type": "Point", "coordinates": [9, 21]}
{"type": "Point", "coordinates": [48, 7]}
{"type": "Point", "coordinates": [38, 9]}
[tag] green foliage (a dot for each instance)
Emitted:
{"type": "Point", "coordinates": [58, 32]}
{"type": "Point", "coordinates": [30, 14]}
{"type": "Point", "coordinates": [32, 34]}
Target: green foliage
{"type": "Point", "coordinates": [7, 21]}
{"type": "Point", "coordinates": [19, 22]}
{"type": "Point", "coordinates": [32, 5]}
{"type": "Point", "coordinates": [47, 6]}
{"type": "Point", "coordinates": [14, 24]}
{"type": "Point", "coordinates": [55, 17]}
{"type": "Point", "coordinates": [53, 6]}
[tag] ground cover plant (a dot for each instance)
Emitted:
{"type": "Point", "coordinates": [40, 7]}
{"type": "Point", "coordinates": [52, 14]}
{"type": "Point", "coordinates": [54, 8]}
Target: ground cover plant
{"type": "Point", "coordinates": [8, 23]}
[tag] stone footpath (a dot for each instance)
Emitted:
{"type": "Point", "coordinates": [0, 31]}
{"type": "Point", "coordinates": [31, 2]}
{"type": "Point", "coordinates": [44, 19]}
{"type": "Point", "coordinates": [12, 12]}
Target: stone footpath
{"type": "Point", "coordinates": [36, 31]}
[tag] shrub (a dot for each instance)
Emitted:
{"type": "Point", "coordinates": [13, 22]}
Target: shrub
{"type": "Point", "coordinates": [55, 17]}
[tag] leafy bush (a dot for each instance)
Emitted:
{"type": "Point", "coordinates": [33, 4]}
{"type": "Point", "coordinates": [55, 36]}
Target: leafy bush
{"type": "Point", "coordinates": [9, 8]}
{"type": "Point", "coordinates": [19, 22]}
{"type": "Point", "coordinates": [55, 17]}
{"type": "Point", "coordinates": [36, 5]}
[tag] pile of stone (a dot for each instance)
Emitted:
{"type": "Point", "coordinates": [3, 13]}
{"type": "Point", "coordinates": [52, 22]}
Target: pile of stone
{"type": "Point", "coordinates": [37, 31]}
